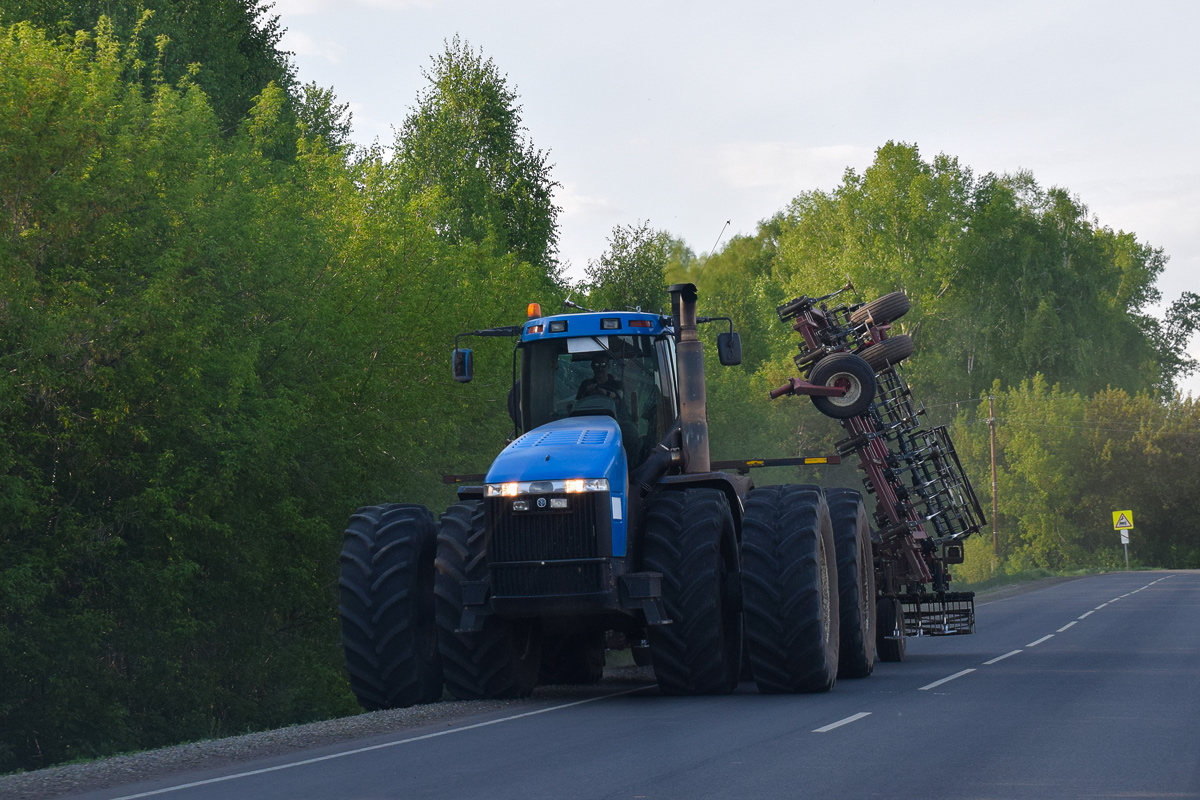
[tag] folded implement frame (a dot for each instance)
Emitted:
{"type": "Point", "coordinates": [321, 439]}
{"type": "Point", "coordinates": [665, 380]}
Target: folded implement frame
{"type": "Point", "coordinates": [924, 503]}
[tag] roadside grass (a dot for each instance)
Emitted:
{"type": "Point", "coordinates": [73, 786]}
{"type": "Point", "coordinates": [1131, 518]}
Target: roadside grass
{"type": "Point", "coordinates": [1003, 579]}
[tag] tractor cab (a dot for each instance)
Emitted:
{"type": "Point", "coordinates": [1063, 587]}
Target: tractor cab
{"type": "Point", "coordinates": [616, 365]}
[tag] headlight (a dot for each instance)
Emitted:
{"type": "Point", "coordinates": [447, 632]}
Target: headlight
{"type": "Point", "coordinates": [570, 486]}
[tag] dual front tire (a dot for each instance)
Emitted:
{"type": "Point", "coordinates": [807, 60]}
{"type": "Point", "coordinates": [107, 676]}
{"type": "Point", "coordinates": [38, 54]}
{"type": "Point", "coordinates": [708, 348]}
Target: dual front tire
{"type": "Point", "coordinates": [401, 605]}
{"type": "Point", "coordinates": [503, 659]}
{"type": "Point", "coordinates": [386, 600]}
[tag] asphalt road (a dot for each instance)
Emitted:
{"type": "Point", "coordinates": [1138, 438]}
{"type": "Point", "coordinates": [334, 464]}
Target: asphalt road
{"type": "Point", "coordinates": [1089, 688]}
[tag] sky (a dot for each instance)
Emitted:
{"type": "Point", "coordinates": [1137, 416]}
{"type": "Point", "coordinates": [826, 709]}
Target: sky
{"type": "Point", "coordinates": [688, 115]}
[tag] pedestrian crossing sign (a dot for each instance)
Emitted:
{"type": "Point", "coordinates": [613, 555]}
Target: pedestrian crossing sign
{"type": "Point", "coordinates": [1122, 520]}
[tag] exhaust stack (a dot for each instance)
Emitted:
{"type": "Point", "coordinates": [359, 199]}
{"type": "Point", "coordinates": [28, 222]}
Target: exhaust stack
{"type": "Point", "coordinates": [689, 352]}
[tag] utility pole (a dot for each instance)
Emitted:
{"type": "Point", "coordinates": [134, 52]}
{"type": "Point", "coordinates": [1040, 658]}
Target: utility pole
{"type": "Point", "coordinates": [992, 426]}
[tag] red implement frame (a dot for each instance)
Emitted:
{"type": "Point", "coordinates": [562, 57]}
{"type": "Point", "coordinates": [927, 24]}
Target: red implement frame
{"type": "Point", "coordinates": [924, 502]}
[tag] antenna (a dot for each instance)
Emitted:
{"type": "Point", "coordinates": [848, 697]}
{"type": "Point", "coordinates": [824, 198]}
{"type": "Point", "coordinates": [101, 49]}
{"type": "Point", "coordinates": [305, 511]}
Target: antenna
{"type": "Point", "coordinates": [568, 304]}
{"type": "Point", "coordinates": [714, 247]}
{"type": "Point", "coordinates": [718, 241]}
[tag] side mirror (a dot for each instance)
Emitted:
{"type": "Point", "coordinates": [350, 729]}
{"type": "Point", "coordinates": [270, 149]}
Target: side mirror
{"type": "Point", "coordinates": [464, 365]}
{"type": "Point", "coordinates": [729, 348]}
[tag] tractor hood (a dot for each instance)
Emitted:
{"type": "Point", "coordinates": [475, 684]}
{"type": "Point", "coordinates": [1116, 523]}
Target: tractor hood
{"type": "Point", "coordinates": [576, 447]}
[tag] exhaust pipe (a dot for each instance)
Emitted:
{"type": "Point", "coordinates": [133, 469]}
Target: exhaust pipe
{"type": "Point", "coordinates": [689, 355]}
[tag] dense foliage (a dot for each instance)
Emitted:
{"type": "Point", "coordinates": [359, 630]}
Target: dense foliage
{"type": "Point", "coordinates": [235, 43]}
{"type": "Point", "coordinates": [1007, 279]}
{"type": "Point", "coordinates": [222, 328]}
{"type": "Point", "coordinates": [1067, 461]}
{"type": "Point", "coordinates": [209, 357]}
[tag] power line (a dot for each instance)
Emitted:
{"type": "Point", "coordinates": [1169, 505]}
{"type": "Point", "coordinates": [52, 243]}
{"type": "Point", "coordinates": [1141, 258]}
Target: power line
{"type": "Point", "coordinates": [1096, 426]}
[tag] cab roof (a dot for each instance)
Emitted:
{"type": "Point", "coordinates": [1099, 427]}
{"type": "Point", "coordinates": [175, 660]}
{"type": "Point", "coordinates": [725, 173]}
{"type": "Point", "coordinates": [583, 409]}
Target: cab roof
{"type": "Point", "coordinates": [593, 323]}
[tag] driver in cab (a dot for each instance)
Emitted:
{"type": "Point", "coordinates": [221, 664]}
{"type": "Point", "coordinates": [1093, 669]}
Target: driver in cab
{"type": "Point", "coordinates": [601, 384]}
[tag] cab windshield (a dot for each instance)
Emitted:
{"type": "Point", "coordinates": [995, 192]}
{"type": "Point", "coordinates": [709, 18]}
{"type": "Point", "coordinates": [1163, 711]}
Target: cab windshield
{"type": "Point", "coordinates": [615, 376]}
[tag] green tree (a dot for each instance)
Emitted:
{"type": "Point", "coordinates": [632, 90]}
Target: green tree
{"type": "Point", "coordinates": [630, 273]}
{"type": "Point", "coordinates": [1066, 461]}
{"type": "Point", "coordinates": [235, 42]}
{"type": "Point", "coordinates": [321, 115]}
{"type": "Point", "coordinates": [209, 357]}
{"type": "Point", "coordinates": [1006, 279]}
{"type": "Point", "coordinates": [465, 139]}
{"type": "Point", "coordinates": [168, 386]}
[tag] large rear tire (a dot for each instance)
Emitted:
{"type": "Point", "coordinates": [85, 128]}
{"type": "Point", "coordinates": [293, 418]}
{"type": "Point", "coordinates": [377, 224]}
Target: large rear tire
{"type": "Point", "coordinates": [503, 659]}
{"type": "Point", "coordinates": [882, 310]}
{"type": "Point", "coordinates": [856, 582]}
{"type": "Point", "coordinates": [573, 659]}
{"type": "Point", "coordinates": [387, 606]}
{"type": "Point", "coordinates": [789, 589]}
{"type": "Point", "coordinates": [690, 540]}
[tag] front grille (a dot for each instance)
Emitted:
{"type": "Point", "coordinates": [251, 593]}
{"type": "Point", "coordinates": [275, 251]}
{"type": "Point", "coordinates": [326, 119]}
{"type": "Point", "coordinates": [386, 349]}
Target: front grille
{"type": "Point", "coordinates": [541, 552]}
{"type": "Point", "coordinates": [534, 580]}
{"type": "Point", "coordinates": [544, 535]}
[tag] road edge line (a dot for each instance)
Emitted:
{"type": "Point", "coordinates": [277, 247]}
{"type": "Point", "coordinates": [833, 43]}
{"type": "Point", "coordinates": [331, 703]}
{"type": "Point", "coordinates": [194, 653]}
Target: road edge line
{"type": "Point", "coordinates": [381, 746]}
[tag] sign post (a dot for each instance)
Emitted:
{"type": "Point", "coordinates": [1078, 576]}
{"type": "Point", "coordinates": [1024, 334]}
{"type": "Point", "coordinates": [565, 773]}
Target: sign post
{"type": "Point", "coordinates": [1123, 522]}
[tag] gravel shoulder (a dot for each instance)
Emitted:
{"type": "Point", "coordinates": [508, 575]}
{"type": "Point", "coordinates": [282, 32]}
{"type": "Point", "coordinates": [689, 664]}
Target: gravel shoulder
{"type": "Point", "coordinates": [121, 770]}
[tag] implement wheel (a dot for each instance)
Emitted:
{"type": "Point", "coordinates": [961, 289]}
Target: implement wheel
{"type": "Point", "coordinates": [789, 589]}
{"type": "Point", "coordinates": [891, 350]}
{"type": "Point", "coordinates": [856, 582]}
{"type": "Point", "coordinates": [850, 372]}
{"type": "Point", "coordinates": [690, 540]}
{"type": "Point", "coordinates": [500, 661]}
{"type": "Point", "coordinates": [882, 310]}
{"type": "Point", "coordinates": [386, 606]}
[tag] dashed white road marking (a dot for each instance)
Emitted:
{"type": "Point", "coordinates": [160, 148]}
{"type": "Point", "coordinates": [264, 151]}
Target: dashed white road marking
{"type": "Point", "coordinates": [841, 722]}
{"type": "Point", "coordinates": [331, 756]}
{"type": "Point", "coordinates": [1088, 614]}
{"type": "Point", "coordinates": [1001, 658]}
{"type": "Point", "coordinates": [1102, 605]}
{"type": "Point", "coordinates": [1039, 641]}
{"type": "Point", "coordinates": [947, 679]}
{"type": "Point", "coordinates": [1069, 624]}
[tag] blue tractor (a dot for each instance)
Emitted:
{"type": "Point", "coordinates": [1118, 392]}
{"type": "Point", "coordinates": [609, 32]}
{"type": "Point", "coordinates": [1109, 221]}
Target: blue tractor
{"type": "Point", "coordinates": [606, 514]}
